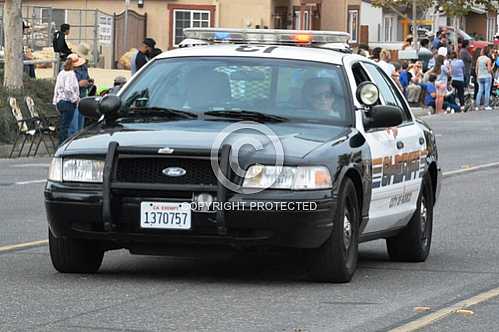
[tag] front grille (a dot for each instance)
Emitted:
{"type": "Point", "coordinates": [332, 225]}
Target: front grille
{"type": "Point", "coordinates": [150, 170]}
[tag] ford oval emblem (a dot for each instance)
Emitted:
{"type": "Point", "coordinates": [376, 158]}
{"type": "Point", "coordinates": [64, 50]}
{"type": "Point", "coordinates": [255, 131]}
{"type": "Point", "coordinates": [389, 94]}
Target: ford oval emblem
{"type": "Point", "coordinates": [174, 171]}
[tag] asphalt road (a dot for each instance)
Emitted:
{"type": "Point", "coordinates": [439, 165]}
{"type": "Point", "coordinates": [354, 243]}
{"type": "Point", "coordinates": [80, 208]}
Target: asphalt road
{"type": "Point", "coordinates": [265, 293]}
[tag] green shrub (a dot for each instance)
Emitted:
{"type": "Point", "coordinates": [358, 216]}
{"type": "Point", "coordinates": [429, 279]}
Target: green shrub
{"type": "Point", "coordinates": [40, 90]}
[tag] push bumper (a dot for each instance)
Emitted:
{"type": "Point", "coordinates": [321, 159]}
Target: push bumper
{"type": "Point", "coordinates": [271, 218]}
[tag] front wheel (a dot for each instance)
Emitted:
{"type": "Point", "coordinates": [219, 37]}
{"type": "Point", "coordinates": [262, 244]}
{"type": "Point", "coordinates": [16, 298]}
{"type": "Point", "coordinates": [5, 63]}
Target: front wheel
{"type": "Point", "coordinates": [75, 255]}
{"type": "Point", "coordinates": [413, 243]}
{"type": "Point", "coordinates": [336, 259]}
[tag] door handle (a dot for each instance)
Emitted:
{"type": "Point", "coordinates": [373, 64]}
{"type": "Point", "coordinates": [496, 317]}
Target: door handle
{"type": "Point", "coordinates": [400, 145]}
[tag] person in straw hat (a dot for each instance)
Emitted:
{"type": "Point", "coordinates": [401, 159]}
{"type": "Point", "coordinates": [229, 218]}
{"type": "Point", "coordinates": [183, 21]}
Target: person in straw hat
{"type": "Point", "coordinates": [81, 71]}
{"type": "Point", "coordinates": [67, 95]}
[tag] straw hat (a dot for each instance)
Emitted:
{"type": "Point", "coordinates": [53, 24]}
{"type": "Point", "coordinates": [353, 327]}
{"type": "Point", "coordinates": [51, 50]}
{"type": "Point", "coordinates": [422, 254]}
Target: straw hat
{"type": "Point", "coordinates": [83, 51]}
{"type": "Point", "coordinates": [77, 61]}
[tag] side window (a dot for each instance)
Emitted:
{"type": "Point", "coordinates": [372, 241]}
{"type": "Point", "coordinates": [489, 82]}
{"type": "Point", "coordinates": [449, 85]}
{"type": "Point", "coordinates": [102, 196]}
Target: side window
{"type": "Point", "coordinates": [386, 90]}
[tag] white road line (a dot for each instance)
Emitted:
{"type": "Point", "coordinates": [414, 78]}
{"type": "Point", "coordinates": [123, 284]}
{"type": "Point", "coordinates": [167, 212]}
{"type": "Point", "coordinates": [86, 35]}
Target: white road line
{"type": "Point", "coordinates": [30, 182]}
{"type": "Point", "coordinates": [30, 165]}
{"type": "Point", "coordinates": [471, 169]}
{"type": "Point", "coordinates": [21, 246]}
{"type": "Point", "coordinates": [444, 312]}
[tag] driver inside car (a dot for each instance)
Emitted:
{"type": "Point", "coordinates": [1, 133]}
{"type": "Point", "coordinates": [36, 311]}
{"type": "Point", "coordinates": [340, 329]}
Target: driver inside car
{"type": "Point", "coordinates": [319, 96]}
{"type": "Point", "coordinates": [207, 88]}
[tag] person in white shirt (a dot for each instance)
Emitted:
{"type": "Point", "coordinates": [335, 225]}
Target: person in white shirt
{"type": "Point", "coordinates": [66, 95]}
{"type": "Point", "coordinates": [384, 63]}
{"type": "Point", "coordinates": [414, 89]}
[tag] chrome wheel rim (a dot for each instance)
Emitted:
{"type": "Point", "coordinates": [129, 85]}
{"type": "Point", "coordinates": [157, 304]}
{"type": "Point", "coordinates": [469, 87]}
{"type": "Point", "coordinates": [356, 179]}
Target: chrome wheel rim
{"type": "Point", "coordinates": [423, 217]}
{"type": "Point", "coordinates": [347, 231]}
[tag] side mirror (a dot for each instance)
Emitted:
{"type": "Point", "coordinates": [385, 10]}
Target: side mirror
{"type": "Point", "coordinates": [89, 107]}
{"type": "Point", "coordinates": [368, 94]}
{"type": "Point", "coordinates": [109, 106]}
{"type": "Point", "coordinates": [382, 116]}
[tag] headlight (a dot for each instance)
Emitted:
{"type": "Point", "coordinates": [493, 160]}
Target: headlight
{"type": "Point", "coordinates": [82, 170]}
{"type": "Point", "coordinates": [294, 178]}
{"type": "Point", "coordinates": [55, 170]}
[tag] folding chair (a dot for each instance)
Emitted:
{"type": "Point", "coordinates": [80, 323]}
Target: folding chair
{"type": "Point", "coordinates": [42, 125]}
{"type": "Point", "coordinates": [25, 127]}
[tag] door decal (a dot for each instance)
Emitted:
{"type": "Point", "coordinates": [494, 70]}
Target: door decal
{"type": "Point", "coordinates": [398, 168]}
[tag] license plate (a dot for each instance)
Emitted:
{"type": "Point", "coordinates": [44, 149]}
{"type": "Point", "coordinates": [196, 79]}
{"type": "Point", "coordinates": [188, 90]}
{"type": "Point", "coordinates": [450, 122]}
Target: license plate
{"type": "Point", "coordinates": [165, 215]}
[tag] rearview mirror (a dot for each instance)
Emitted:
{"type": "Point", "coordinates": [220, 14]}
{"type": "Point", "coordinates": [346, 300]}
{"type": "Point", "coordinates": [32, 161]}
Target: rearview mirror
{"type": "Point", "coordinates": [89, 107]}
{"type": "Point", "coordinates": [109, 106]}
{"type": "Point", "coordinates": [382, 116]}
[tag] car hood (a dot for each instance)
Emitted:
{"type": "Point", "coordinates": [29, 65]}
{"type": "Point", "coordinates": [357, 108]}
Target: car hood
{"type": "Point", "coordinates": [297, 139]}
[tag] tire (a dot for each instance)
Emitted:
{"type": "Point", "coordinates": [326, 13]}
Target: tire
{"type": "Point", "coordinates": [413, 243]}
{"type": "Point", "coordinates": [74, 255]}
{"type": "Point", "coordinates": [336, 260]}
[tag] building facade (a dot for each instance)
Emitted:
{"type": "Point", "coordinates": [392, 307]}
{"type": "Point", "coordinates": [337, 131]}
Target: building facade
{"type": "Point", "coordinates": [387, 28]}
{"type": "Point", "coordinates": [164, 20]}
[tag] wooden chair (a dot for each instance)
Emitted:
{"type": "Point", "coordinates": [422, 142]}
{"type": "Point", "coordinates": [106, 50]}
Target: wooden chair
{"type": "Point", "coordinates": [25, 127]}
{"type": "Point", "coordinates": [42, 125]}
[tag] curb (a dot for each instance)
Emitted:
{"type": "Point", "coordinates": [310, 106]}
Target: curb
{"type": "Point", "coordinates": [419, 111]}
{"type": "Point", "coordinates": [5, 151]}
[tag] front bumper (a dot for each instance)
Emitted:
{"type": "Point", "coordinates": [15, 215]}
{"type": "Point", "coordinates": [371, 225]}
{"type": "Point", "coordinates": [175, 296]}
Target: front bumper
{"type": "Point", "coordinates": [76, 211]}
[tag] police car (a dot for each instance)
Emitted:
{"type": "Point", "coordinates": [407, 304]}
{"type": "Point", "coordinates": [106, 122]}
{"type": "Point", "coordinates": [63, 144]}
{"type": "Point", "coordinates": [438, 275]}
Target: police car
{"type": "Point", "coordinates": [247, 139]}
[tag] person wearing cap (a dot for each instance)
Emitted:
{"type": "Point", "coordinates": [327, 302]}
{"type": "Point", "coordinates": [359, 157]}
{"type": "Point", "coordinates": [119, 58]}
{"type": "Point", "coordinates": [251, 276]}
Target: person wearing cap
{"type": "Point", "coordinates": [66, 95]}
{"type": "Point", "coordinates": [143, 55]}
{"type": "Point", "coordinates": [59, 43]}
{"type": "Point", "coordinates": [81, 71]}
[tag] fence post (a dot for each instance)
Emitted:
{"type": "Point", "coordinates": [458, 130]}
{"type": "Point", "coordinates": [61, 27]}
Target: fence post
{"type": "Point", "coordinates": [56, 64]}
{"type": "Point", "coordinates": [96, 36]}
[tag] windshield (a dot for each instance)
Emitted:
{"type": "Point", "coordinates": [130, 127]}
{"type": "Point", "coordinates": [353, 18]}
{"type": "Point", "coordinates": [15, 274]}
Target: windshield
{"type": "Point", "coordinates": [302, 90]}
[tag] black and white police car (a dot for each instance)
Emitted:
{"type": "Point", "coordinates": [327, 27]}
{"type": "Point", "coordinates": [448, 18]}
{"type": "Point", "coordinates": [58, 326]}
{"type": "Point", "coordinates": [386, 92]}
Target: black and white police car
{"type": "Point", "coordinates": [260, 138]}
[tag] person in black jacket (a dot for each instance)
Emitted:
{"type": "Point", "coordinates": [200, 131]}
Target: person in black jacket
{"type": "Point", "coordinates": [59, 43]}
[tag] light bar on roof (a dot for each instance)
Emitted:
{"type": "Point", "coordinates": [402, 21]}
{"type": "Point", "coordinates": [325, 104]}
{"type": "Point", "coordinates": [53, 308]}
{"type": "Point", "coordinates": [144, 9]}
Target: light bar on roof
{"type": "Point", "coordinates": [267, 36]}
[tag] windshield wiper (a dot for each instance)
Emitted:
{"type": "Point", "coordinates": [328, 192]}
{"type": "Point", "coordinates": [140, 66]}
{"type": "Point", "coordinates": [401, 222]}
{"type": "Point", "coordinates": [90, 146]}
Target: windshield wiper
{"type": "Point", "coordinates": [247, 115]}
{"type": "Point", "coordinates": [160, 112]}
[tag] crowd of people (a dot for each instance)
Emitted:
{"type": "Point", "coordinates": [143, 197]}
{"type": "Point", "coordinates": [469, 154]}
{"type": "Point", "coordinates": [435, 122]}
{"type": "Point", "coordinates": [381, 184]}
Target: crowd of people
{"type": "Point", "coordinates": [74, 82]}
{"type": "Point", "coordinates": [441, 74]}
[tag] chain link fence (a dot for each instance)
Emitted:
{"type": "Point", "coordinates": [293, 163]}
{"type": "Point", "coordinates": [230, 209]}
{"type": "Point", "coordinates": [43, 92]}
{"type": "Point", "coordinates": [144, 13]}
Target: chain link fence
{"type": "Point", "coordinates": [91, 27]}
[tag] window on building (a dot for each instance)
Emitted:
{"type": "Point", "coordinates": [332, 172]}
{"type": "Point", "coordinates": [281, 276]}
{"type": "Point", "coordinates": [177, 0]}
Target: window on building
{"type": "Point", "coordinates": [59, 16]}
{"type": "Point", "coordinates": [389, 23]}
{"type": "Point", "coordinates": [188, 19]}
{"type": "Point", "coordinates": [306, 21]}
{"type": "Point", "coordinates": [353, 23]}
{"type": "Point", "coordinates": [297, 20]}
{"type": "Point", "coordinates": [281, 17]}
{"type": "Point", "coordinates": [491, 27]}
{"type": "Point", "coordinates": [302, 20]}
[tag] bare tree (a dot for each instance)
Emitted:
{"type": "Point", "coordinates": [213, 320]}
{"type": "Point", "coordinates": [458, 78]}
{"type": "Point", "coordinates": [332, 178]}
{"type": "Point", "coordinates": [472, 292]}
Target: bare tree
{"type": "Point", "coordinates": [13, 28]}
